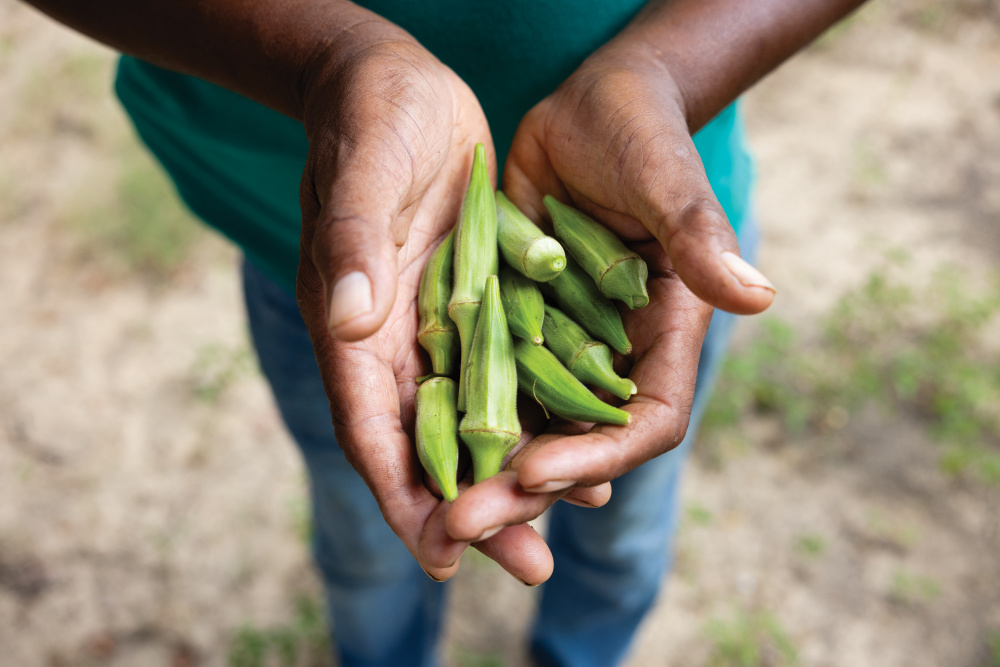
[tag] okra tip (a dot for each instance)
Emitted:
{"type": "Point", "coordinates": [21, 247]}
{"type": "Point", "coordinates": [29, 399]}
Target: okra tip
{"type": "Point", "coordinates": [544, 259]}
{"type": "Point", "coordinates": [626, 281]}
{"type": "Point", "coordinates": [627, 388]}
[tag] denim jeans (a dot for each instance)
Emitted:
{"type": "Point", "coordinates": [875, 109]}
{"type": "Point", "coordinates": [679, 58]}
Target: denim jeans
{"type": "Point", "coordinates": [384, 610]}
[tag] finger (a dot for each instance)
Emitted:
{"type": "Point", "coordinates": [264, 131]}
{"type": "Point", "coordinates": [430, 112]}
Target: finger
{"type": "Point", "coordinates": [648, 179]}
{"type": "Point", "coordinates": [486, 508]}
{"type": "Point", "coordinates": [438, 553]}
{"type": "Point", "coordinates": [583, 496]}
{"type": "Point", "coordinates": [373, 439]}
{"type": "Point", "coordinates": [664, 185]}
{"type": "Point", "coordinates": [493, 504]}
{"type": "Point", "coordinates": [359, 194]}
{"type": "Point", "coordinates": [368, 421]}
{"type": "Point", "coordinates": [522, 552]}
{"type": "Point", "coordinates": [588, 496]}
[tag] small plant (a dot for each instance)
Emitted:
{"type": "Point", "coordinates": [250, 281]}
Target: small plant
{"type": "Point", "coordinates": [869, 168]}
{"type": "Point", "coordinates": [751, 638]}
{"type": "Point", "coordinates": [810, 545]}
{"type": "Point", "coordinates": [920, 350]}
{"type": "Point", "coordinates": [465, 657]}
{"type": "Point", "coordinates": [910, 588]}
{"type": "Point", "coordinates": [248, 648]}
{"type": "Point", "coordinates": [698, 515]}
{"type": "Point", "coordinates": [888, 529]}
{"type": "Point", "coordinates": [303, 642]}
{"type": "Point", "coordinates": [140, 228]}
{"type": "Point", "coordinates": [993, 645]}
{"type": "Point", "coordinates": [217, 367]}
{"type": "Point", "coordinates": [300, 515]}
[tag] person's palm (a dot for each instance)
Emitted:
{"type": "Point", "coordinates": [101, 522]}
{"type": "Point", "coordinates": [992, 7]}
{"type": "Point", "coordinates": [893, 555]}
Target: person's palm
{"type": "Point", "coordinates": [392, 138]}
{"type": "Point", "coordinates": [613, 141]}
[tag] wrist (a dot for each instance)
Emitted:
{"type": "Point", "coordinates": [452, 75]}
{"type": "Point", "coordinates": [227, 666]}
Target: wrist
{"type": "Point", "coordinates": [361, 52]}
{"type": "Point", "coordinates": [638, 63]}
{"type": "Point", "coordinates": [331, 58]}
{"type": "Point", "coordinates": [714, 50]}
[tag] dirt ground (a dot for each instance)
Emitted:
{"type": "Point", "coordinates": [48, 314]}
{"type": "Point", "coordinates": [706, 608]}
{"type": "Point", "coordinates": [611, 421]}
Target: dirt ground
{"type": "Point", "coordinates": [153, 510]}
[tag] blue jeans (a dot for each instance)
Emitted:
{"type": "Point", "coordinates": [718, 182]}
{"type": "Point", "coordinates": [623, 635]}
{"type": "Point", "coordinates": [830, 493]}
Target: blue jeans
{"type": "Point", "coordinates": [385, 611]}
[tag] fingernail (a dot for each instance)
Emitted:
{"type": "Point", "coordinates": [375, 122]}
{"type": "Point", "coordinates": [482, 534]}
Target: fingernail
{"type": "Point", "coordinates": [488, 533]}
{"type": "Point", "coordinates": [352, 296]}
{"type": "Point", "coordinates": [432, 576]}
{"type": "Point", "coordinates": [526, 583]}
{"type": "Point", "coordinates": [552, 486]}
{"type": "Point", "coordinates": [578, 503]}
{"type": "Point", "coordinates": [746, 274]}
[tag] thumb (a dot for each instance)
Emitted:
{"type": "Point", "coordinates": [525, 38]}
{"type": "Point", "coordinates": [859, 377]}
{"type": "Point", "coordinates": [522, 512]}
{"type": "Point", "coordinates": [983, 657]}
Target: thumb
{"type": "Point", "coordinates": [682, 212]}
{"type": "Point", "coordinates": [350, 218]}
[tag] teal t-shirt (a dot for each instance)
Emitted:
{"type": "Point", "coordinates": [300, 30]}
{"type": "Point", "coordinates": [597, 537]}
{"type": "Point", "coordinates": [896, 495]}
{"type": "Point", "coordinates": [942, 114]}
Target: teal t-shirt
{"type": "Point", "coordinates": [237, 164]}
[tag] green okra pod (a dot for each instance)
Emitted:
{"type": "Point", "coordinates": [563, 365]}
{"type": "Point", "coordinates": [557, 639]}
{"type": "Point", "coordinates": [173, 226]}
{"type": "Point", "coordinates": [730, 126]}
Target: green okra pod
{"type": "Point", "coordinates": [620, 273]}
{"type": "Point", "coordinates": [437, 433]}
{"type": "Point", "coordinates": [587, 359]}
{"type": "Point", "coordinates": [490, 428]}
{"type": "Point", "coordinates": [522, 304]}
{"type": "Point", "coordinates": [475, 258]}
{"type": "Point", "coordinates": [577, 296]}
{"type": "Point", "coordinates": [524, 246]}
{"type": "Point", "coordinates": [438, 334]}
{"type": "Point", "coordinates": [541, 375]}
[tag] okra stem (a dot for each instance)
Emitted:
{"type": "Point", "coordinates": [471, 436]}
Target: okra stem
{"type": "Point", "coordinates": [490, 428]}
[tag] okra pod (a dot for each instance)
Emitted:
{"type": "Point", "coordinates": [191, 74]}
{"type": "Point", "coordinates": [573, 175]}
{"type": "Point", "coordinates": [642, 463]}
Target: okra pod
{"type": "Point", "coordinates": [577, 296]}
{"type": "Point", "coordinates": [620, 273]}
{"type": "Point", "coordinates": [526, 247]}
{"type": "Point", "coordinates": [490, 428]}
{"type": "Point", "coordinates": [475, 258]}
{"type": "Point", "coordinates": [587, 359]}
{"type": "Point", "coordinates": [437, 433]}
{"type": "Point", "coordinates": [522, 304]}
{"type": "Point", "coordinates": [541, 375]}
{"type": "Point", "coordinates": [438, 334]}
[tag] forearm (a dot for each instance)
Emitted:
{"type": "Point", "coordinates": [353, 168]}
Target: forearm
{"type": "Point", "coordinates": [265, 50]}
{"type": "Point", "coordinates": [717, 49]}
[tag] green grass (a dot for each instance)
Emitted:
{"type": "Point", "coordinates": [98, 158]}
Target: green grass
{"type": "Point", "coordinates": [750, 639]}
{"type": "Point", "coordinates": [302, 642]}
{"type": "Point", "coordinates": [300, 514]}
{"type": "Point", "coordinates": [909, 588]}
{"type": "Point", "coordinates": [74, 83]}
{"type": "Point", "coordinates": [698, 515]}
{"type": "Point", "coordinates": [810, 545]}
{"type": "Point", "coordinates": [891, 529]}
{"type": "Point", "coordinates": [993, 646]}
{"type": "Point", "coordinates": [124, 214]}
{"type": "Point", "coordinates": [868, 168]}
{"type": "Point", "coordinates": [466, 657]}
{"type": "Point", "coordinates": [910, 350]}
{"type": "Point", "coordinates": [217, 367]}
{"type": "Point", "coordinates": [141, 230]}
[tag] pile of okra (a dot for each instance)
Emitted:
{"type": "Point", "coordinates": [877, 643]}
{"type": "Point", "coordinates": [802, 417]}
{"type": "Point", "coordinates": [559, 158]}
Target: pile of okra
{"type": "Point", "coordinates": [489, 332]}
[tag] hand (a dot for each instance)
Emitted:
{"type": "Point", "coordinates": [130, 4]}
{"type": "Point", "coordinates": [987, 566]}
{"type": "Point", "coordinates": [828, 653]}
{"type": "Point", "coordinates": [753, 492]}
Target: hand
{"type": "Point", "coordinates": [613, 140]}
{"type": "Point", "coordinates": [392, 133]}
